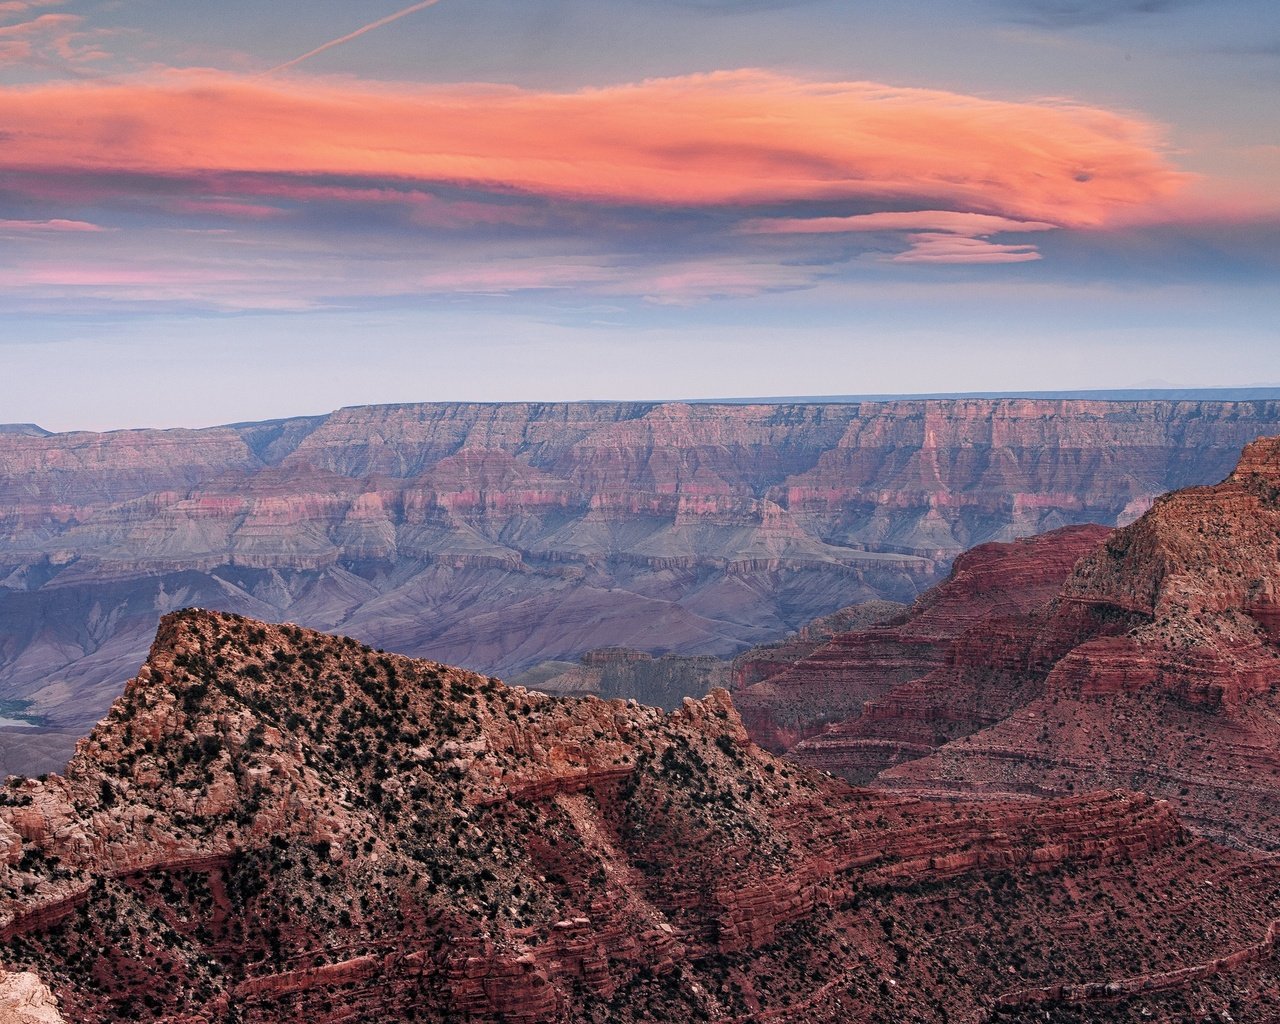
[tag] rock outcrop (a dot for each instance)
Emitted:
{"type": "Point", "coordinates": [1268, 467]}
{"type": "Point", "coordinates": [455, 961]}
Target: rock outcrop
{"type": "Point", "coordinates": [273, 825]}
{"type": "Point", "coordinates": [501, 536]}
{"type": "Point", "coordinates": [852, 669]}
{"type": "Point", "coordinates": [1155, 666]}
{"type": "Point", "coordinates": [25, 999]}
{"type": "Point", "coordinates": [1160, 666]}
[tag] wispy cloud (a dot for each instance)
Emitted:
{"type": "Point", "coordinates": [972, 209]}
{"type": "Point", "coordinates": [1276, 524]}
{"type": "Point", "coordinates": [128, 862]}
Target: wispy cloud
{"type": "Point", "coordinates": [51, 39]}
{"type": "Point", "coordinates": [738, 6]}
{"type": "Point", "coordinates": [671, 282]}
{"type": "Point", "coordinates": [912, 220]}
{"type": "Point", "coordinates": [25, 6]}
{"type": "Point", "coordinates": [19, 42]}
{"type": "Point", "coordinates": [54, 225]}
{"type": "Point", "coordinates": [1073, 13]}
{"type": "Point", "coordinates": [931, 236]}
{"type": "Point", "coordinates": [938, 247]}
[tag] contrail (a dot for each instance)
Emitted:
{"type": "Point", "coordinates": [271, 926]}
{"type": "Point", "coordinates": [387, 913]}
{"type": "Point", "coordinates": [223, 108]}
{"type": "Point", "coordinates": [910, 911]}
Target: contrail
{"type": "Point", "coordinates": [353, 35]}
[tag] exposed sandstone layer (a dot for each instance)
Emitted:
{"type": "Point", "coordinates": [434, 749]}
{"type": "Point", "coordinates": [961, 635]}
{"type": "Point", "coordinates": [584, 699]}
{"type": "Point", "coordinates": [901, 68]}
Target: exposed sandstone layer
{"type": "Point", "coordinates": [500, 536]}
{"type": "Point", "coordinates": [25, 999]}
{"type": "Point", "coordinates": [274, 825]}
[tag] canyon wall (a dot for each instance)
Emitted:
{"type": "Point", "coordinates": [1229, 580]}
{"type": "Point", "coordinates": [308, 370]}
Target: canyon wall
{"type": "Point", "coordinates": [1146, 656]}
{"type": "Point", "coordinates": [275, 825]}
{"type": "Point", "coordinates": [501, 536]}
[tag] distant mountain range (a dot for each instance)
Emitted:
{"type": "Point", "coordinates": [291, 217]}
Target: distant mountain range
{"type": "Point", "coordinates": [1250, 393]}
{"type": "Point", "coordinates": [502, 536]}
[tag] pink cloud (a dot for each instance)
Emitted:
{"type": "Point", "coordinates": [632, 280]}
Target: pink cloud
{"type": "Point", "coordinates": [48, 38]}
{"type": "Point", "coordinates": [726, 138]}
{"type": "Point", "coordinates": [213, 284]}
{"type": "Point", "coordinates": [23, 6]}
{"type": "Point", "coordinates": [513, 275]}
{"type": "Point", "coordinates": [232, 208]}
{"type": "Point", "coordinates": [423, 208]}
{"type": "Point", "coordinates": [21, 42]}
{"type": "Point", "coordinates": [80, 277]}
{"type": "Point", "coordinates": [679, 282]}
{"type": "Point", "coordinates": [932, 236]}
{"type": "Point", "coordinates": [948, 248]}
{"type": "Point", "coordinates": [49, 225]}
{"type": "Point", "coordinates": [688, 282]}
{"type": "Point", "coordinates": [45, 24]}
{"type": "Point", "coordinates": [953, 221]}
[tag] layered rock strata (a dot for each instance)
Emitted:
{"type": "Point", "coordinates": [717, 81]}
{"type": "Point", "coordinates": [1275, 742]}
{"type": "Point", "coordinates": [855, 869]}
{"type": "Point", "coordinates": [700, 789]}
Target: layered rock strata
{"type": "Point", "coordinates": [1155, 666]}
{"type": "Point", "coordinates": [500, 536]}
{"type": "Point", "coordinates": [852, 669]}
{"type": "Point", "coordinates": [274, 825]}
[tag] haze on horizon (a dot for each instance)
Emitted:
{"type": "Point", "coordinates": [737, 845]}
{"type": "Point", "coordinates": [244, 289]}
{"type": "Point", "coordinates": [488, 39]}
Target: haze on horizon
{"type": "Point", "coordinates": [237, 212]}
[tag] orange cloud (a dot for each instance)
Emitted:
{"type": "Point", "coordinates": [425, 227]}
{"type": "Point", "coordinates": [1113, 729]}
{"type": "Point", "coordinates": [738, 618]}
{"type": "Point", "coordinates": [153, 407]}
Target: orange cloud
{"type": "Point", "coordinates": [740, 137]}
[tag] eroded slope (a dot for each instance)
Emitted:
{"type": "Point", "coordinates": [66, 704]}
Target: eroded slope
{"type": "Point", "coordinates": [273, 824]}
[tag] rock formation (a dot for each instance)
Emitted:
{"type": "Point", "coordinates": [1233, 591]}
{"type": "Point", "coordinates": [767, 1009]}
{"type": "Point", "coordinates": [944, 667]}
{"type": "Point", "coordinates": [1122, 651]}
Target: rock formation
{"type": "Point", "coordinates": [501, 536]}
{"type": "Point", "coordinates": [273, 824]}
{"type": "Point", "coordinates": [1155, 666]}
{"type": "Point", "coordinates": [834, 681]}
{"type": "Point", "coordinates": [665, 681]}
{"type": "Point", "coordinates": [25, 999]}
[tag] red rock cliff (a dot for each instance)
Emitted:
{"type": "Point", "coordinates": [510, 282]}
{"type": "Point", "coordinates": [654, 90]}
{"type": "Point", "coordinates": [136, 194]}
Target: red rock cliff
{"type": "Point", "coordinates": [1156, 666]}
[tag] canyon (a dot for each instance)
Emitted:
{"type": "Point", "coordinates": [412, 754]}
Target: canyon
{"type": "Point", "coordinates": [1145, 657]}
{"type": "Point", "coordinates": [1047, 789]}
{"type": "Point", "coordinates": [274, 824]}
{"type": "Point", "coordinates": [501, 537]}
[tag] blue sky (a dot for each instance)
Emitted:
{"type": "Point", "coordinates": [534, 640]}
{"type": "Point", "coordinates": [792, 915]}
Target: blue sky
{"type": "Point", "coordinates": [613, 199]}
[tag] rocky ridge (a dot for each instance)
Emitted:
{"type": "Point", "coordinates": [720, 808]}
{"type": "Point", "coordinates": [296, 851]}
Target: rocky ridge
{"type": "Point", "coordinates": [277, 824]}
{"type": "Point", "coordinates": [1156, 665]}
{"type": "Point", "coordinates": [501, 536]}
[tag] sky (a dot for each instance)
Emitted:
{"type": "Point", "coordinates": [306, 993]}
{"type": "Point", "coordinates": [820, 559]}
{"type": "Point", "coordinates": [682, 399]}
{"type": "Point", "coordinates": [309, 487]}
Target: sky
{"type": "Point", "coordinates": [224, 212]}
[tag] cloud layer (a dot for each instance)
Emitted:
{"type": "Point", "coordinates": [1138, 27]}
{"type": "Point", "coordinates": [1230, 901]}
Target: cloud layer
{"type": "Point", "coordinates": [932, 236]}
{"type": "Point", "coordinates": [730, 138]}
{"type": "Point", "coordinates": [294, 192]}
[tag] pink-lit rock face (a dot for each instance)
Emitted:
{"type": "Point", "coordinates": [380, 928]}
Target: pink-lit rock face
{"type": "Point", "coordinates": [284, 825]}
{"type": "Point", "coordinates": [1156, 665]}
{"type": "Point", "coordinates": [500, 536]}
{"type": "Point", "coordinates": [851, 670]}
